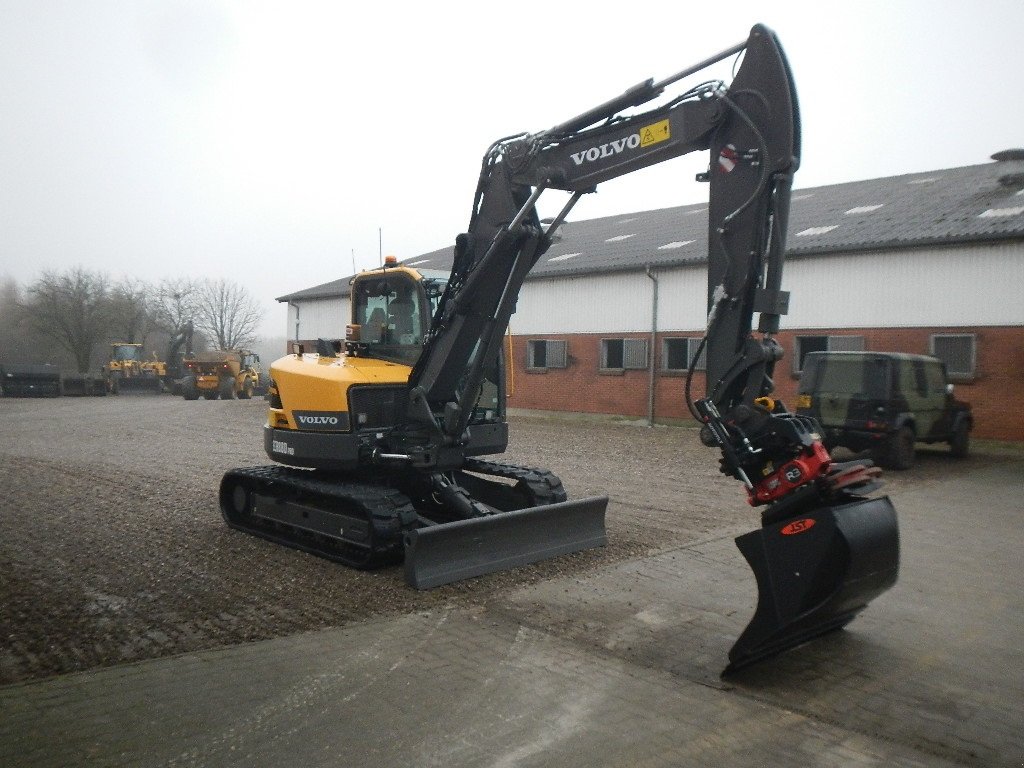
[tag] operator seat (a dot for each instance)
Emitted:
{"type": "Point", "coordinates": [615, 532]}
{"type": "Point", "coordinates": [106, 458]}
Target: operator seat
{"type": "Point", "coordinates": [375, 327]}
{"type": "Point", "coordinates": [401, 317]}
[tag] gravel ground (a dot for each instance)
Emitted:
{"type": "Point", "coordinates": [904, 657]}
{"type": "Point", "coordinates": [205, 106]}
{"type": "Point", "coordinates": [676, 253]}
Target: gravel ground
{"type": "Point", "coordinates": [113, 548]}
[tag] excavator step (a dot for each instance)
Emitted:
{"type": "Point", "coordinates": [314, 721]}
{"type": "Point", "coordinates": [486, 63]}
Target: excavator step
{"type": "Point", "coordinates": [815, 572]}
{"type": "Point", "coordinates": [441, 554]}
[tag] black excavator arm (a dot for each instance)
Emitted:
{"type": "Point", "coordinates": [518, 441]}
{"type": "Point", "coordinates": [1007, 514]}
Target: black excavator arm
{"type": "Point", "coordinates": [824, 549]}
{"type": "Point", "coordinates": [752, 130]}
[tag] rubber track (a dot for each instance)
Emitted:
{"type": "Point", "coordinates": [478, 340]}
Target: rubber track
{"type": "Point", "coordinates": [389, 512]}
{"type": "Point", "coordinates": [544, 487]}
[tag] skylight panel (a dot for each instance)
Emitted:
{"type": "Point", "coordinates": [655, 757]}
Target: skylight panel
{"type": "Point", "coordinates": [619, 238]}
{"type": "Point", "coordinates": [864, 209]}
{"type": "Point", "coordinates": [673, 246]}
{"type": "Point", "coordinates": [811, 231]}
{"type": "Point", "coordinates": [565, 256]}
{"type": "Point", "coordinates": [996, 213]}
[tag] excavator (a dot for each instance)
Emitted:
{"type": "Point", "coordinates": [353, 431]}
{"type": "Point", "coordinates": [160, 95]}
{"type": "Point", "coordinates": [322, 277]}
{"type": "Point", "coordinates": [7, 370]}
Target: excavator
{"type": "Point", "coordinates": [378, 441]}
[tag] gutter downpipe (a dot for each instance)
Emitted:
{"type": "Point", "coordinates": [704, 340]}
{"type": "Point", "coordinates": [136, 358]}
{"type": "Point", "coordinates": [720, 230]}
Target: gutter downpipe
{"type": "Point", "coordinates": [296, 306]}
{"type": "Point", "coordinates": [654, 338]}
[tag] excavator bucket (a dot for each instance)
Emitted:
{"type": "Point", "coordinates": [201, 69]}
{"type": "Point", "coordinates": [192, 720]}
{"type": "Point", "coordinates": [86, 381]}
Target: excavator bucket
{"type": "Point", "coordinates": [83, 385]}
{"type": "Point", "coordinates": [441, 554]}
{"type": "Point", "coordinates": [135, 385]}
{"type": "Point", "coordinates": [815, 573]}
{"type": "Point", "coordinates": [29, 380]}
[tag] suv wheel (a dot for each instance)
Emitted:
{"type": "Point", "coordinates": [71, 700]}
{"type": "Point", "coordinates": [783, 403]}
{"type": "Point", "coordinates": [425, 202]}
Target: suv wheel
{"type": "Point", "coordinates": [901, 449]}
{"type": "Point", "coordinates": [960, 440]}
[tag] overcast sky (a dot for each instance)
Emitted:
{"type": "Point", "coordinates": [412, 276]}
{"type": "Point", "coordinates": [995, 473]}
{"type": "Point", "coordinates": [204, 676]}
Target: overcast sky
{"type": "Point", "coordinates": [269, 142]}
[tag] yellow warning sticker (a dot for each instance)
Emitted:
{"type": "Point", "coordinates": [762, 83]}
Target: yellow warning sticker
{"type": "Point", "coordinates": [655, 132]}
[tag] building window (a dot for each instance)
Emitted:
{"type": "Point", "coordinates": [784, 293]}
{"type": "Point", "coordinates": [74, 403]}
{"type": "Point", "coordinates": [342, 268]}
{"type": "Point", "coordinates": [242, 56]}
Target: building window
{"type": "Point", "coordinates": [545, 353]}
{"type": "Point", "coordinates": [623, 354]}
{"type": "Point", "coordinates": [958, 351]}
{"type": "Point", "coordinates": [805, 344]}
{"type": "Point", "coordinates": [676, 355]}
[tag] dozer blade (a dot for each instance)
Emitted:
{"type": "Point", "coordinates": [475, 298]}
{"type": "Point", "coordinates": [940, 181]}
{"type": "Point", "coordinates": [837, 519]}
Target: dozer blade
{"type": "Point", "coordinates": [440, 554]}
{"type": "Point", "coordinates": [814, 573]}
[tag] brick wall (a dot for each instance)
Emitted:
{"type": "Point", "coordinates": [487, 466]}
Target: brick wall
{"type": "Point", "coordinates": [995, 392]}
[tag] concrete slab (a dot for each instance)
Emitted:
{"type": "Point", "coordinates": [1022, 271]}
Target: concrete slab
{"type": "Point", "coordinates": [435, 689]}
{"type": "Point", "coordinates": [936, 663]}
{"type": "Point", "coordinates": [616, 668]}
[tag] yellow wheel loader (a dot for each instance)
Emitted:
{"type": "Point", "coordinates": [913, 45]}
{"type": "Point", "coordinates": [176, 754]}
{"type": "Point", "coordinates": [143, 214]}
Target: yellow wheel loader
{"type": "Point", "coordinates": [128, 370]}
{"type": "Point", "coordinates": [379, 442]}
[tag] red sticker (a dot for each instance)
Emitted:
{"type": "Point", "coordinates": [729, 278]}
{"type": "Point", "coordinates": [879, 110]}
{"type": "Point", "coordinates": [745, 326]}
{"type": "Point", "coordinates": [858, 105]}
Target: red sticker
{"type": "Point", "coordinates": [798, 526]}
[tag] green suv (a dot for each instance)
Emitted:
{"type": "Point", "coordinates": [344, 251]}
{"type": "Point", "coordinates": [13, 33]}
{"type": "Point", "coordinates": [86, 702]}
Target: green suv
{"type": "Point", "coordinates": [883, 402]}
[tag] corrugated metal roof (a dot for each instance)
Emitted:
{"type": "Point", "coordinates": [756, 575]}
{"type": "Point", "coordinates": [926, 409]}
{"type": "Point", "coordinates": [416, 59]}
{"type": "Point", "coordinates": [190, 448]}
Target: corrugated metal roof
{"type": "Point", "coordinates": [970, 204]}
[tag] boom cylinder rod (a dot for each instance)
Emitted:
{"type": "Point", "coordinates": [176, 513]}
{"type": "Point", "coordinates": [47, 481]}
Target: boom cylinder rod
{"type": "Point", "coordinates": [699, 66]}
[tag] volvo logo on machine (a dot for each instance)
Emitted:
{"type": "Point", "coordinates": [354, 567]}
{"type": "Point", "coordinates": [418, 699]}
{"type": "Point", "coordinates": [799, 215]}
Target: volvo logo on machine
{"type": "Point", "coordinates": [645, 137]}
{"type": "Point", "coordinates": [307, 420]}
{"type": "Point", "coordinates": [606, 150]}
{"type": "Point", "coordinates": [321, 421]}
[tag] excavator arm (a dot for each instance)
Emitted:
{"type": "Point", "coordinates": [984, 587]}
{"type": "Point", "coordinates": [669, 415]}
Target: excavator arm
{"type": "Point", "coordinates": [752, 129]}
{"type": "Point", "coordinates": [824, 549]}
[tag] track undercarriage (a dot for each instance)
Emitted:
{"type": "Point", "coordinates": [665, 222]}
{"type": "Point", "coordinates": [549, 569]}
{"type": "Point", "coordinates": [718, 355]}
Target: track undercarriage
{"type": "Point", "coordinates": [368, 519]}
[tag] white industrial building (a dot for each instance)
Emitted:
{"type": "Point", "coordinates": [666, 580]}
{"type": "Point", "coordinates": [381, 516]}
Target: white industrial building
{"type": "Point", "coordinates": [926, 263]}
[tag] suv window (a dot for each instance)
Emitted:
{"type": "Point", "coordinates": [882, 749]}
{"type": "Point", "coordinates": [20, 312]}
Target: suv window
{"type": "Point", "coordinates": [868, 377]}
{"type": "Point", "coordinates": [936, 378]}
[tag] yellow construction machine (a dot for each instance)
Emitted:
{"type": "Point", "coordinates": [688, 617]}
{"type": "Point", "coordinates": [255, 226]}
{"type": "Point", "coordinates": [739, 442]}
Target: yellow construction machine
{"type": "Point", "coordinates": [223, 373]}
{"type": "Point", "coordinates": [128, 370]}
{"type": "Point", "coordinates": [379, 440]}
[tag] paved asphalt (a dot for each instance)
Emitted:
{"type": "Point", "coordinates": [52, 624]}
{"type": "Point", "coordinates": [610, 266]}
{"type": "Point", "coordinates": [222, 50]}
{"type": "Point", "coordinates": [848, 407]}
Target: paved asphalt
{"type": "Point", "coordinates": [616, 668]}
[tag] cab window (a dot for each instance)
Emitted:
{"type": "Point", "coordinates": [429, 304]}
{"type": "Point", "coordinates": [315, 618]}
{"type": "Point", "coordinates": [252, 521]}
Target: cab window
{"type": "Point", "coordinates": [391, 316]}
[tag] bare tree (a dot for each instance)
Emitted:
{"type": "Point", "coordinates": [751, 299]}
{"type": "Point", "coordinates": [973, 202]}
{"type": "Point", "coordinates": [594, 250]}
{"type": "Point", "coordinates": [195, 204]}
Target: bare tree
{"type": "Point", "coordinates": [72, 308]}
{"type": "Point", "coordinates": [174, 303]}
{"type": "Point", "coordinates": [18, 340]}
{"type": "Point", "coordinates": [130, 310]}
{"type": "Point", "coordinates": [226, 313]}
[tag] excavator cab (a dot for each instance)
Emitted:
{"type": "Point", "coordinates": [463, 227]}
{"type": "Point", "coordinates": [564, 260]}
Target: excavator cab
{"type": "Point", "coordinates": [391, 313]}
{"type": "Point", "coordinates": [125, 352]}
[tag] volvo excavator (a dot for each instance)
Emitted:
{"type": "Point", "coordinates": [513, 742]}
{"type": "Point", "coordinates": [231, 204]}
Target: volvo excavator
{"type": "Point", "coordinates": [379, 442]}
